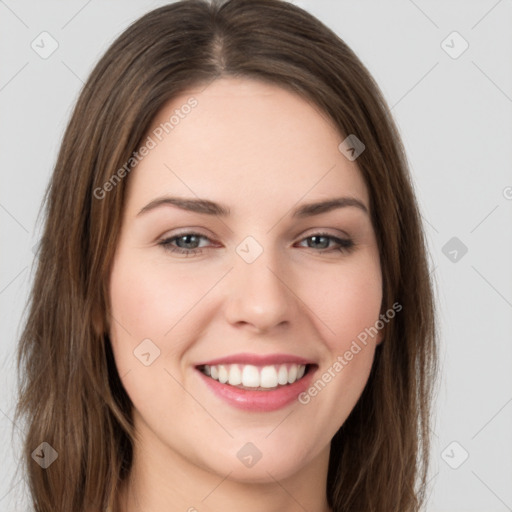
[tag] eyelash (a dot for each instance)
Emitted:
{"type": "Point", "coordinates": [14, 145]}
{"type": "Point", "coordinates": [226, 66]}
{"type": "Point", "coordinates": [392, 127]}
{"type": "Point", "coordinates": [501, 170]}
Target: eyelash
{"type": "Point", "coordinates": [346, 245]}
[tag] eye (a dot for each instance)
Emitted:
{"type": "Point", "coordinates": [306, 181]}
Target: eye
{"type": "Point", "coordinates": [185, 239]}
{"type": "Point", "coordinates": [322, 241]}
{"type": "Point", "coordinates": [187, 243]}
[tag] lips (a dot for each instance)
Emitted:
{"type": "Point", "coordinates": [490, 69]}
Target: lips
{"type": "Point", "coordinates": [257, 382]}
{"type": "Point", "coordinates": [258, 399]}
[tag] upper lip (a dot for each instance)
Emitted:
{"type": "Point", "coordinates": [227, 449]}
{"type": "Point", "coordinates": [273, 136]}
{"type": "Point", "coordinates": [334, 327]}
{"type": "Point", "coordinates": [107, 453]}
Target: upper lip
{"type": "Point", "coordinates": [257, 359]}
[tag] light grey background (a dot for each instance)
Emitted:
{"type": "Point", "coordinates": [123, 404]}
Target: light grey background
{"type": "Point", "coordinates": [455, 118]}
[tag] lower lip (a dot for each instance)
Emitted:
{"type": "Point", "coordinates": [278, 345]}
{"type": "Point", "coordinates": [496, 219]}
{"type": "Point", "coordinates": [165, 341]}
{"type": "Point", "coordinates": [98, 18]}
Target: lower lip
{"type": "Point", "coordinates": [263, 401]}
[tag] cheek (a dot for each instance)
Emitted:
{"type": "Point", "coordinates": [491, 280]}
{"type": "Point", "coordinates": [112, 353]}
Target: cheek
{"type": "Point", "coordinates": [147, 305]}
{"type": "Point", "coordinates": [348, 301]}
{"type": "Point", "coordinates": [348, 307]}
{"type": "Point", "coordinates": [148, 300]}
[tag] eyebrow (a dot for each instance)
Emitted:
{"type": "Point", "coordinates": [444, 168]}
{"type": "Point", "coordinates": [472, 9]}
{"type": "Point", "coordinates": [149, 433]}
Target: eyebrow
{"type": "Point", "coordinates": [204, 206]}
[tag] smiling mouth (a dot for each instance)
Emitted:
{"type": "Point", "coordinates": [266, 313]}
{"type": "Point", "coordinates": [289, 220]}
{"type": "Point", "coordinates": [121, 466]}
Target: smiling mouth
{"type": "Point", "coordinates": [256, 378]}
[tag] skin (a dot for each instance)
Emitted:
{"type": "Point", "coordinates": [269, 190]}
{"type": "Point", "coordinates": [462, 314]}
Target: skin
{"type": "Point", "coordinates": [261, 151]}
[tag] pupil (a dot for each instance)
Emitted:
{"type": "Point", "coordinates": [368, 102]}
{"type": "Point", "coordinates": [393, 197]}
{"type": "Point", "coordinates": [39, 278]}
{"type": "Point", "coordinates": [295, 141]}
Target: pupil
{"type": "Point", "coordinates": [187, 238]}
{"type": "Point", "coordinates": [316, 238]}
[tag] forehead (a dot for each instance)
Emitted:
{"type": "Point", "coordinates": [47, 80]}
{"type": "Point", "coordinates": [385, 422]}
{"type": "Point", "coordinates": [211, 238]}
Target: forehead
{"type": "Point", "coordinates": [244, 141]}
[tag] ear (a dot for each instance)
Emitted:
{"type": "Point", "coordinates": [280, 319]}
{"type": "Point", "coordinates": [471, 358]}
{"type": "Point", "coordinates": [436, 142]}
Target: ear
{"type": "Point", "coordinates": [380, 337]}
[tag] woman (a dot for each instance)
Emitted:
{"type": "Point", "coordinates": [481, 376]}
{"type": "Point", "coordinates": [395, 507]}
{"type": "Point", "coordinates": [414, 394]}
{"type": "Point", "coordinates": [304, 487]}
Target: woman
{"type": "Point", "coordinates": [284, 360]}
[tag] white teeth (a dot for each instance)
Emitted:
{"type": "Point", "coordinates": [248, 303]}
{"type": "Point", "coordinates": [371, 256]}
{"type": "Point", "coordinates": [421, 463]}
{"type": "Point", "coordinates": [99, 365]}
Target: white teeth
{"type": "Point", "coordinates": [282, 376]}
{"type": "Point", "coordinates": [292, 374]}
{"type": "Point", "coordinates": [268, 377]}
{"type": "Point", "coordinates": [235, 375]}
{"type": "Point", "coordinates": [223, 374]}
{"type": "Point", "coordinates": [251, 376]}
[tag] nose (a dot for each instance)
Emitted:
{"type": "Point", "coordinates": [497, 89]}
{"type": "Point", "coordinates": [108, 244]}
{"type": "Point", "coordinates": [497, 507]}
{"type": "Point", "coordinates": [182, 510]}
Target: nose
{"type": "Point", "coordinates": [260, 295]}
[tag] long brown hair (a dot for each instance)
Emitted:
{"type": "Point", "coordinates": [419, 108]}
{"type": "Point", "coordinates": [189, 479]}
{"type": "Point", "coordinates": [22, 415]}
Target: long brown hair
{"type": "Point", "coordinates": [71, 395]}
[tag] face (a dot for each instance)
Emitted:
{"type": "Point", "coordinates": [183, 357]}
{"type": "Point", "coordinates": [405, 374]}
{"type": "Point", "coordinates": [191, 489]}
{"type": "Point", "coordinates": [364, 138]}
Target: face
{"type": "Point", "coordinates": [248, 286]}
